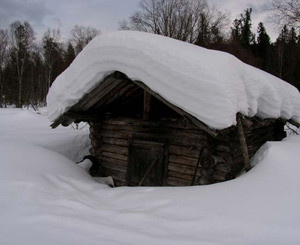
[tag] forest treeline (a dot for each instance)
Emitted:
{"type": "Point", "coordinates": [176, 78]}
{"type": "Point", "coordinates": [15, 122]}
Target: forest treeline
{"type": "Point", "coordinates": [28, 67]}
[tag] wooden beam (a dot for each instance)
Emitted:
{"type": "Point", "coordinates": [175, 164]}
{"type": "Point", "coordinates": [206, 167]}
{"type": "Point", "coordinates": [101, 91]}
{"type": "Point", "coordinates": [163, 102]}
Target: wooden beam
{"type": "Point", "coordinates": [243, 143]}
{"type": "Point", "coordinates": [101, 90]}
{"type": "Point", "coordinates": [197, 166]}
{"type": "Point", "coordinates": [147, 106]}
{"type": "Point", "coordinates": [296, 124]}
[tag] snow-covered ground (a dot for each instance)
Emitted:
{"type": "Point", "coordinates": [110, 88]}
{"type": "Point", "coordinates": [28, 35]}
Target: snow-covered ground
{"type": "Point", "coordinates": [46, 199]}
{"type": "Point", "coordinates": [30, 127]}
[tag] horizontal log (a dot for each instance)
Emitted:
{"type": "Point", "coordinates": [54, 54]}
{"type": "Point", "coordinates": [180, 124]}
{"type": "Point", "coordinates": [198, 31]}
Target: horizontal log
{"type": "Point", "coordinates": [171, 181]}
{"type": "Point", "coordinates": [182, 176]}
{"type": "Point", "coordinates": [181, 168]}
{"type": "Point", "coordinates": [184, 151]}
{"type": "Point", "coordinates": [122, 150]}
{"type": "Point", "coordinates": [193, 134]}
{"type": "Point", "coordinates": [178, 139]}
{"type": "Point", "coordinates": [114, 156]}
{"type": "Point", "coordinates": [115, 141]}
{"type": "Point", "coordinates": [116, 134]}
{"type": "Point", "coordinates": [119, 183]}
{"type": "Point", "coordinates": [114, 167]}
{"type": "Point", "coordinates": [183, 160]}
{"type": "Point", "coordinates": [115, 161]}
{"type": "Point", "coordinates": [174, 123]}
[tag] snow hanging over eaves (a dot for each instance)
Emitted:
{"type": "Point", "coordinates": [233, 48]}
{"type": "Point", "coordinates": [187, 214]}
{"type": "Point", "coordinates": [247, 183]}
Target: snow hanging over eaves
{"type": "Point", "coordinates": [210, 85]}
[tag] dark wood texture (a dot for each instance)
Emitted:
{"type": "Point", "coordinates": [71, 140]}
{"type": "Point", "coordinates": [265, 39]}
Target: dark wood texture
{"type": "Point", "coordinates": [147, 105]}
{"type": "Point", "coordinates": [243, 143]}
{"type": "Point", "coordinates": [178, 145]}
{"type": "Point", "coordinates": [116, 140]}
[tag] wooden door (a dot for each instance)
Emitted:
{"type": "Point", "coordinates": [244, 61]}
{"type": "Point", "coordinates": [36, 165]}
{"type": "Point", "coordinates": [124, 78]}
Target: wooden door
{"type": "Point", "coordinates": [141, 156]}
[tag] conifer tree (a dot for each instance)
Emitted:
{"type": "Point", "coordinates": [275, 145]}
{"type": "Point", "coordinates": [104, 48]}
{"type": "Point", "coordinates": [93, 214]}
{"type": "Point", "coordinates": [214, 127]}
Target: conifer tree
{"type": "Point", "coordinates": [69, 55]}
{"type": "Point", "coordinates": [263, 46]}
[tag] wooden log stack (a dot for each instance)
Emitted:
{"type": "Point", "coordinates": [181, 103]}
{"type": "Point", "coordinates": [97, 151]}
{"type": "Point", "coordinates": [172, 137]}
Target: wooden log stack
{"type": "Point", "coordinates": [223, 158]}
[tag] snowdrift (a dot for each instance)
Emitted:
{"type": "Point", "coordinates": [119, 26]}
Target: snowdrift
{"type": "Point", "coordinates": [47, 199]}
{"type": "Point", "coordinates": [210, 85]}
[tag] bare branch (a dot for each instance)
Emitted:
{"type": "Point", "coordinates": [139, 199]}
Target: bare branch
{"type": "Point", "coordinates": [286, 12]}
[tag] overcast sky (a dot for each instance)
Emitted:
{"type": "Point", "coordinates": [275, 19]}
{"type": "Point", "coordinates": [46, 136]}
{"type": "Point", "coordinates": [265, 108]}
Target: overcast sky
{"type": "Point", "coordinates": [105, 14]}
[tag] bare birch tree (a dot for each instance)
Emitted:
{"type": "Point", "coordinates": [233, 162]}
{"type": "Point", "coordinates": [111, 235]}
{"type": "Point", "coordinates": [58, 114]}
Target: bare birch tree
{"type": "Point", "coordinates": [286, 12]}
{"type": "Point", "coordinates": [21, 42]}
{"type": "Point", "coordinates": [3, 58]}
{"type": "Point", "coordinates": [51, 46]}
{"type": "Point", "coordinates": [81, 36]}
{"type": "Point", "coordinates": [185, 20]}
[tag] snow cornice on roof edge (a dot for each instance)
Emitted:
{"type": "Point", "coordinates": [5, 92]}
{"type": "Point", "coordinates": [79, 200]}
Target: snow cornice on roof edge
{"type": "Point", "coordinates": [211, 86]}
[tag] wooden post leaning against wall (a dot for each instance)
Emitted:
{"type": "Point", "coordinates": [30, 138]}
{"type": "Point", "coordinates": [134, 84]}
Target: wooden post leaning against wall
{"type": "Point", "coordinates": [243, 142]}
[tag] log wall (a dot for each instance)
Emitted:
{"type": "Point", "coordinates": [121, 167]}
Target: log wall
{"type": "Point", "coordinates": [221, 158]}
{"type": "Point", "coordinates": [110, 144]}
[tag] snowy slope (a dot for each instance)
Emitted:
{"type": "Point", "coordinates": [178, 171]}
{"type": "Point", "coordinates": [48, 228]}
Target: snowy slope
{"type": "Point", "coordinates": [46, 199]}
{"type": "Point", "coordinates": [29, 127]}
{"type": "Point", "coordinates": [211, 85]}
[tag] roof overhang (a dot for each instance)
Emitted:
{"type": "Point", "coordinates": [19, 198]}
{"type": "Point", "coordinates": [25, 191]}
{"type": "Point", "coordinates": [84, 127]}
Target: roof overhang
{"type": "Point", "coordinates": [109, 89]}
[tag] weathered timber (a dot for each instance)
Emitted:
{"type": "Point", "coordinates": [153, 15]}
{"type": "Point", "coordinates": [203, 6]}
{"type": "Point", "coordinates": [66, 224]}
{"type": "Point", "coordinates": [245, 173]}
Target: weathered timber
{"type": "Point", "coordinates": [116, 162]}
{"type": "Point", "coordinates": [243, 143]}
{"type": "Point", "coordinates": [182, 168]}
{"type": "Point", "coordinates": [114, 155]}
{"type": "Point", "coordinates": [114, 167]}
{"type": "Point", "coordinates": [183, 176]}
{"type": "Point", "coordinates": [172, 123]}
{"type": "Point", "coordinates": [183, 160]}
{"type": "Point", "coordinates": [111, 96]}
{"type": "Point", "coordinates": [191, 152]}
{"type": "Point", "coordinates": [293, 122]}
{"type": "Point", "coordinates": [201, 154]}
{"type": "Point", "coordinates": [147, 105]}
{"type": "Point", "coordinates": [115, 141]}
{"type": "Point", "coordinates": [184, 144]}
{"type": "Point", "coordinates": [122, 150]}
{"type": "Point", "coordinates": [97, 93]}
{"type": "Point", "coordinates": [177, 182]}
{"type": "Point", "coordinates": [199, 124]}
{"type": "Point", "coordinates": [126, 116]}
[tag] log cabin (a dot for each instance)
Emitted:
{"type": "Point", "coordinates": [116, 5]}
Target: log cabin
{"type": "Point", "coordinates": [142, 137]}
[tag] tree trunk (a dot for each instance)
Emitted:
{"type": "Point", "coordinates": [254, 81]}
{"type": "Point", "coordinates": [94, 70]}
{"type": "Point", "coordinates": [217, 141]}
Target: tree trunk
{"type": "Point", "coordinates": [20, 92]}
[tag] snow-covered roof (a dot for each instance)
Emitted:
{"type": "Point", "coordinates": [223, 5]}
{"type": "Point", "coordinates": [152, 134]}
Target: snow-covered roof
{"type": "Point", "coordinates": [210, 85]}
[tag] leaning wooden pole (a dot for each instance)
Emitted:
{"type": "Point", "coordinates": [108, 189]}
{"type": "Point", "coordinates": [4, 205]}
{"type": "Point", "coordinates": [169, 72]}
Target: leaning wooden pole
{"type": "Point", "coordinates": [243, 142]}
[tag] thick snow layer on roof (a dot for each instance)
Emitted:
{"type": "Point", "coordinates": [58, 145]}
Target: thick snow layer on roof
{"type": "Point", "coordinates": [210, 85]}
